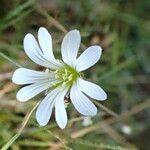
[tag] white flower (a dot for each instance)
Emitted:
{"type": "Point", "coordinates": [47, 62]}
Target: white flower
{"type": "Point", "coordinates": [60, 79]}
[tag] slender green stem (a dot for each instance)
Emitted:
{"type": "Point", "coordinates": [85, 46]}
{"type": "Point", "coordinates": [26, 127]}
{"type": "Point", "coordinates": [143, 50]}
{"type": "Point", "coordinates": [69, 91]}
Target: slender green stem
{"type": "Point", "coordinates": [10, 60]}
{"type": "Point", "coordinates": [25, 121]}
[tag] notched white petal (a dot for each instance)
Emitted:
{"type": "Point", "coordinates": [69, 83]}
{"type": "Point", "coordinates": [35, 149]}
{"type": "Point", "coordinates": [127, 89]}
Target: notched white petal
{"type": "Point", "coordinates": [45, 41]}
{"type": "Point", "coordinates": [27, 76]}
{"type": "Point", "coordinates": [92, 90]}
{"type": "Point", "coordinates": [88, 58]}
{"type": "Point", "coordinates": [45, 108]}
{"type": "Point", "coordinates": [32, 90]}
{"type": "Point", "coordinates": [70, 46]}
{"type": "Point", "coordinates": [32, 49]}
{"type": "Point", "coordinates": [34, 52]}
{"type": "Point", "coordinates": [60, 110]}
{"type": "Point", "coordinates": [81, 102]}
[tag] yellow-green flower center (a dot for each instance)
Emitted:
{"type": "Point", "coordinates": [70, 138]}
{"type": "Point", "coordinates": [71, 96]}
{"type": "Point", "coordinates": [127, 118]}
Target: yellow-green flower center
{"type": "Point", "coordinates": [66, 75]}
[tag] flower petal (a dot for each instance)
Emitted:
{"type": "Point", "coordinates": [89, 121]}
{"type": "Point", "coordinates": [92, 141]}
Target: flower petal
{"type": "Point", "coordinates": [32, 90]}
{"type": "Point", "coordinates": [27, 76]}
{"type": "Point", "coordinates": [92, 90]}
{"type": "Point", "coordinates": [88, 58]}
{"type": "Point", "coordinates": [60, 110]}
{"type": "Point", "coordinates": [32, 49]}
{"type": "Point", "coordinates": [45, 41]}
{"type": "Point", "coordinates": [81, 102]}
{"type": "Point", "coordinates": [70, 46]}
{"type": "Point", "coordinates": [45, 108]}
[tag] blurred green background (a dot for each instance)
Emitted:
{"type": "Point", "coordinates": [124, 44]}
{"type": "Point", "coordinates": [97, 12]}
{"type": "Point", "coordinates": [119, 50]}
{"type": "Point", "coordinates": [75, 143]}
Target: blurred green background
{"type": "Point", "coordinates": [122, 28]}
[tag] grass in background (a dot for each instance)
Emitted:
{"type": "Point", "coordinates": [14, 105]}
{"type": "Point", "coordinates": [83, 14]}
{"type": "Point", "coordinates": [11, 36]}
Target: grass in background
{"type": "Point", "coordinates": [122, 29]}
